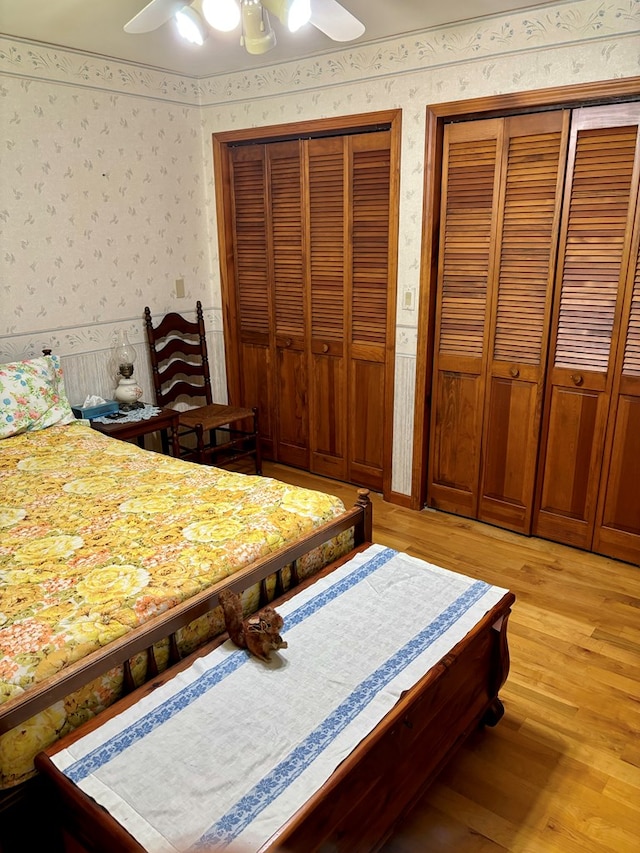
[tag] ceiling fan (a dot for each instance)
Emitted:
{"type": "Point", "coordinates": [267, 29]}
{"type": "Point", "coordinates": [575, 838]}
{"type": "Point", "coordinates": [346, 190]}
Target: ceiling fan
{"type": "Point", "coordinates": [257, 36]}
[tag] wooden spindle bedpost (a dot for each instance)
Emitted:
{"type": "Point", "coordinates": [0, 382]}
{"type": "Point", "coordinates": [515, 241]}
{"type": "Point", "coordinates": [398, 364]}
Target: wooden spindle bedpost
{"type": "Point", "coordinates": [363, 530]}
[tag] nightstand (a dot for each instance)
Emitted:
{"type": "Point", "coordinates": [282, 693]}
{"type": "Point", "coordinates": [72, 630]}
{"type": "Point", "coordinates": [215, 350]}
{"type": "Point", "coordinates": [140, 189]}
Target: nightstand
{"type": "Point", "coordinates": [165, 422]}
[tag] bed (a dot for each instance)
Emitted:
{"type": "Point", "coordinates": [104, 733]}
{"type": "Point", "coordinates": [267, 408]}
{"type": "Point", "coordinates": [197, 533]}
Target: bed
{"type": "Point", "coordinates": [111, 558]}
{"type": "Point", "coordinates": [98, 539]}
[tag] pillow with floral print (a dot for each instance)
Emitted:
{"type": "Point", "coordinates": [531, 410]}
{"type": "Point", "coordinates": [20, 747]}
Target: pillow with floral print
{"type": "Point", "coordinates": [32, 396]}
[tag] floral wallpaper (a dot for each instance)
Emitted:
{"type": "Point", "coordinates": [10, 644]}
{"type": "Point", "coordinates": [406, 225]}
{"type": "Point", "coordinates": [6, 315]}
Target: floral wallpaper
{"type": "Point", "coordinates": [108, 193]}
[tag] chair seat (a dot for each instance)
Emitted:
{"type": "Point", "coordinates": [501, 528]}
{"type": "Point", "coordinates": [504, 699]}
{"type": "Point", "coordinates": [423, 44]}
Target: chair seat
{"type": "Point", "coordinates": [214, 416]}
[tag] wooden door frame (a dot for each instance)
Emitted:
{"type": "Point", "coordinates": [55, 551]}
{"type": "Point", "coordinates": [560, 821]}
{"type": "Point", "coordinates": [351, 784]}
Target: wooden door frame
{"type": "Point", "coordinates": [437, 116]}
{"type": "Point", "coordinates": [333, 126]}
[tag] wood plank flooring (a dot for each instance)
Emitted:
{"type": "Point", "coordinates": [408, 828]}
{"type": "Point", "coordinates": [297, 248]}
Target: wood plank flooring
{"type": "Point", "coordinates": [561, 771]}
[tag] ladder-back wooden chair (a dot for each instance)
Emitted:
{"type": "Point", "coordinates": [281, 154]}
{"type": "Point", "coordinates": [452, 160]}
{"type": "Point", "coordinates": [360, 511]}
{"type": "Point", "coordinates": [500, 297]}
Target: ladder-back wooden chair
{"type": "Point", "coordinates": [209, 432]}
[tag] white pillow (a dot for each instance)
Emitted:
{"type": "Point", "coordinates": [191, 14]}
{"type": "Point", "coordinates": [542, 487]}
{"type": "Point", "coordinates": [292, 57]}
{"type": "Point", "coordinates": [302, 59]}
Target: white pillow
{"type": "Point", "coordinates": [32, 396]}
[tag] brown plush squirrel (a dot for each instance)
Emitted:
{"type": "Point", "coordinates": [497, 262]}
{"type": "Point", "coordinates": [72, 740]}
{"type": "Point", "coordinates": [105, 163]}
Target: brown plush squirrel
{"type": "Point", "coordinates": [260, 633]}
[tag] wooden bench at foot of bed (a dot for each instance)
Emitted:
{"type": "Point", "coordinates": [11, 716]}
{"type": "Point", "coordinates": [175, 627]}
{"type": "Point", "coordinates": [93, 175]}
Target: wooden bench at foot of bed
{"type": "Point", "coordinates": [358, 806]}
{"type": "Point", "coordinates": [361, 804]}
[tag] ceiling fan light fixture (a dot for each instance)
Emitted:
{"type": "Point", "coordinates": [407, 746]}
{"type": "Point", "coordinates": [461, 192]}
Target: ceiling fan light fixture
{"type": "Point", "coordinates": [223, 15]}
{"type": "Point", "coordinates": [328, 16]}
{"type": "Point", "coordinates": [292, 13]}
{"type": "Point", "coordinates": [257, 33]}
{"type": "Point", "coordinates": [190, 25]}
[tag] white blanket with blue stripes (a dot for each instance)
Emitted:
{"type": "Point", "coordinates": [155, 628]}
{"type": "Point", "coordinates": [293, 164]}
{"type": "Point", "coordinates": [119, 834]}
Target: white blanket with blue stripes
{"type": "Point", "coordinates": [229, 749]}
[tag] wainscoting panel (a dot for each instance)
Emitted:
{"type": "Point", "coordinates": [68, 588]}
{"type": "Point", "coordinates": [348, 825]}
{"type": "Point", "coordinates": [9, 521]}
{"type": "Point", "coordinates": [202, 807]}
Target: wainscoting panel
{"type": "Point", "coordinates": [405, 379]}
{"type": "Point", "coordinates": [85, 355]}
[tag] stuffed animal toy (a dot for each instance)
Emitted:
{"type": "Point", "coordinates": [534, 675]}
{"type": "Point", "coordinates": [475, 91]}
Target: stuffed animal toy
{"type": "Point", "coordinates": [260, 633]}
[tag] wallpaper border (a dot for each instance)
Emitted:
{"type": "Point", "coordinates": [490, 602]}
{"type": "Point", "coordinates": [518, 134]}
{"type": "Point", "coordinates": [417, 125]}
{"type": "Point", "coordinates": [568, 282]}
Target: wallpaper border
{"type": "Point", "coordinates": [530, 29]}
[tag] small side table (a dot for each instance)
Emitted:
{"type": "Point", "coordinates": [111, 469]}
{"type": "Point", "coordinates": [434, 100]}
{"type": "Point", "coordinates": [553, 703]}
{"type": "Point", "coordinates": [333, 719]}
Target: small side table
{"type": "Point", "coordinates": [165, 422]}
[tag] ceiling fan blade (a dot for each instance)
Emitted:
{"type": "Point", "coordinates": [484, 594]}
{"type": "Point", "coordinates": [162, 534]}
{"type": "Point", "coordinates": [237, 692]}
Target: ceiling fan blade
{"type": "Point", "coordinates": [154, 15]}
{"type": "Point", "coordinates": [335, 21]}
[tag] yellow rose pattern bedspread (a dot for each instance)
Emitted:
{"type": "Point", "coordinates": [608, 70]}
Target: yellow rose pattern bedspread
{"type": "Point", "coordinates": [98, 536]}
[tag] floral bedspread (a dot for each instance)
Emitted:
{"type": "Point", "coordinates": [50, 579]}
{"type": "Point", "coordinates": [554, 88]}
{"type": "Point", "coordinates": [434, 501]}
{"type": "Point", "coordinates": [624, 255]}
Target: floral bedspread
{"type": "Point", "coordinates": [97, 536]}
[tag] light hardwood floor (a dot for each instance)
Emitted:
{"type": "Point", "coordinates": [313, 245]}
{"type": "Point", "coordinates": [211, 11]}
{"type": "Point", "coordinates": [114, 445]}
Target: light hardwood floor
{"type": "Point", "coordinates": [561, 771]}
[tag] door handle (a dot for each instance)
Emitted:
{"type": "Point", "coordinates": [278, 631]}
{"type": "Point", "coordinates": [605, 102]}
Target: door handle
{"type": "Point", "coordinates": [514, 372]}
{"type": "Point", "coordinates": [577, 378]}
{"type": "Point", "coordinates": [325, 347]}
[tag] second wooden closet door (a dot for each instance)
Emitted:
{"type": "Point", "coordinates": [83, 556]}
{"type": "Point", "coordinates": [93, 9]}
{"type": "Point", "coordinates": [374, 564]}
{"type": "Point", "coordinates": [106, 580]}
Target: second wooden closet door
{"type": "Point", "coordinates": [536, 400]}
{"type": "Point", "coordinates": [592, 402]}
{"type": "Point", "coordinates": [500, 214]}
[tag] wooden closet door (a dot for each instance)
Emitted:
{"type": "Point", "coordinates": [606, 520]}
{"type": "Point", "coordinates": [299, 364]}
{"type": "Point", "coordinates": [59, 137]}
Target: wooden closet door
{"type": "Point", "coordinates": [529, 204]}
{"type": "Point", "coordinates": [370, 169]}
{"type": "Point", "coordinates": [329, 281]}
{"type": "Point", "coordinates": [469, 219]}
{"type": "Point", "coordinates": [617, 531]}
{"type": "Point", "coordinates": [599, 210]}
{"type": "Point", "coordinates": [349, 187]}
{"type": "Point", "coordinates": [254, 309]}
{"type": "Point", "coordinates": [287, 275]}
{"type": "Point", "coordinates": [313, 226]}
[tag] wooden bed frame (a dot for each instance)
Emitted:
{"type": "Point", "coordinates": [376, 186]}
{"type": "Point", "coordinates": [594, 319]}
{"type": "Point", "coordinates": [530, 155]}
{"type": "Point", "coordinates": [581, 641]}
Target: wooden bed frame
{"type": "Point", "coordinates": [359, 805]}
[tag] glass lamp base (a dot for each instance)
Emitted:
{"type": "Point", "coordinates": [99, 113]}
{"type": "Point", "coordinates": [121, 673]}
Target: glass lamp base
{"type": "Point", "coordinates": [128, 394]}
{"type": "Point", "coordinates": [130, 407]}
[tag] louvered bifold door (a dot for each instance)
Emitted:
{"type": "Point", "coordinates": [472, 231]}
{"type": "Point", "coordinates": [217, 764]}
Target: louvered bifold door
{"type": "Point", "coordinates": [286, 239]}
{"type": "Point", "coordinates": [251, 263]}
{"type": "Point", "coordinates": [596, 231]}
{"type": "Point", "coordinates": [617, 531]}
{"type": "Point", "coordinates": [467, 256]}
{"type": "Point", "coordinates": [533, 159]}
{"type": "Point", "coordinates": [370, 165]}
{"type": "Point", "coordinates": [328, 276]}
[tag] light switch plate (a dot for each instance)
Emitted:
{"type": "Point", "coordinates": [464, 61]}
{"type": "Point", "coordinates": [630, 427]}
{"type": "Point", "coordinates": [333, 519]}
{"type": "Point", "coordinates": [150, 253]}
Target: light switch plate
{"type": "Point", "coordinates": [409, 299]}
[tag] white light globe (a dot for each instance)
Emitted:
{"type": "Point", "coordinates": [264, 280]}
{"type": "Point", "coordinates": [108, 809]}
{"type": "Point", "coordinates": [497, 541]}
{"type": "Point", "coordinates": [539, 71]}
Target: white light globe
{"type": "Point", "coordinates": [299, 14]}
{"type": "Point", "coordinates": [188, 26]}
{"type": "Point", "coordinates": [223, 15]}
